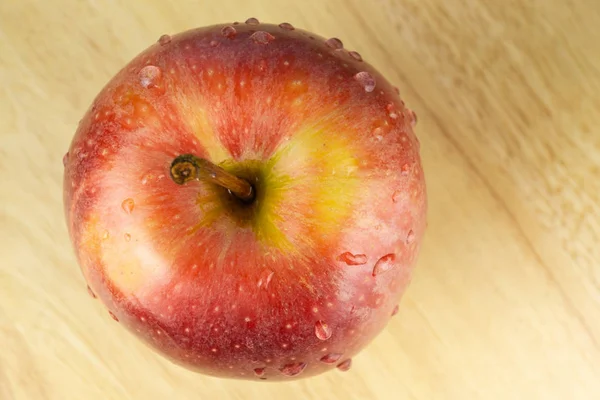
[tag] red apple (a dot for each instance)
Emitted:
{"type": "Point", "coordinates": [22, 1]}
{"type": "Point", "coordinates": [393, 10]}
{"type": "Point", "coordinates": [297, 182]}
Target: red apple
{"type": "Point", "coordinates": [298, 277]}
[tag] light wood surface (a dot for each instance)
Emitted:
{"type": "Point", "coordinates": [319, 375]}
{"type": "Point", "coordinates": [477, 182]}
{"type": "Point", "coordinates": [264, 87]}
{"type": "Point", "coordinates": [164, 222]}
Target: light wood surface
{"type": "Point", "coordinates": [505, 303]}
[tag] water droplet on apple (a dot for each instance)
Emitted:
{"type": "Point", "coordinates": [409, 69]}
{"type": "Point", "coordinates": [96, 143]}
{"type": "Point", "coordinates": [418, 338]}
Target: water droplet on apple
{"type": "Point", "coordinates": [384, 264]}
{"type": "Point", "coordinates": [262, 37]}
{"type": "Point", "coordinates": [410, 237]}
{"type": "Point", "coordinates": [345, 365]}
{"type": "Point", "coordinates": [229, 32]}
{"type": "Point", "coordinates": [128, 205]}
{"type": "Point", "coordinates": [355, 55]}
{"type": "Point", "coordinates": [113, 316]}
{"type": "Point", "coordinates": [413, 118]}
{"type": "Point", "coordinates": [150, 76]}
{"type": "Point", "coordinates": [164, 40]}
{"type": "Point", "coordinates": [331, 358]}
{"type": "Point", "coordinates": [127, 237]}
{"type": "Point", "coordinates": [352, 259]}
{"type": "Point", "coordinates": [286, 26]}
{"type": "Point", "coordinates": [293, 369]}
{"type": "Point", "coordinates": [334, 43]}
{"type": "Point", "coordinates": [252, 21]}
{"type": "Point", "coordinates": [395, 310]}
{"type": "Point", "coordinates": [405, 169]}
{"type": "Point", "coordinates": [65, 158]}
{"type": "Point", "coordinates": [265, 278]}
{"type": "Point", "coordinates": [366, 80]}
{"type": "Point", "coordinates": [91, 292]}
{"type": "Point", "coordinates": [259, 372]}
{"type": "Point", "coordinates": [322, 330]}
{"type": "Point", "coordinates": [391, 110]}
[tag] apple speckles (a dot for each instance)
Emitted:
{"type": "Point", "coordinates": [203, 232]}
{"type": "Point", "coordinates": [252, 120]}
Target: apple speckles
{"type": "Point", "coordinates": [214, 350]}
{"type": "Point", "coordinates": [405, 169]}
{"type": "Point", "coordinates": [128, 205]}
{"type": "Point", "coordinates": [352, 259]}
{"type": "Point", "coordinates": [396, 196]}
{"type": "Point", "coordinates": [286, 26]}
{"type": "Point", "coordinates": [334, 43]}
{"type": "Point", "coordinates": [293, 369]}
{"type": "Point", "coordinates": [322, 330]}
{"type": "Point", "coordinates": [252, 21]}
{"type": "Point", "coordinates": [384, 264]}
{"type": "Point", "coordinates": [315, 310]}
{"type": "Point", "coordinates": [366, 80]}
{"type": "Point", "coordinates": [288, 326]}
{"type": "Point", "coordinates": [262, 37]}
{"type": "Point", "coordinates": [265, 279]}
{"type": "Point", "coordinates": [105, 235]}
{"type": "Point", "coordinates": [149, 76]}
{"type": "Point", "coordinates": [355, 55]}
{"type": "Point", "coordinates": [229, 32]}
{"type": "Point", "coordinates": [247, 319]}
{"type": "Point", "coordinates": [330, 358]}
{"type": "Point", "coordinates": [214, 43]}
{"type": "Point", "coordinates": [164, 40]}
{"type": "Point", "coordinates": [345, 365]}
{"type": "Point", "coordinates": [127, 237]}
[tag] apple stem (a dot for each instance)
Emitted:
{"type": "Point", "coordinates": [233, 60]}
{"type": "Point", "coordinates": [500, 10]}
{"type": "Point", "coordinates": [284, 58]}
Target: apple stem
{"type": "Point", "coordinates": [187, 167]}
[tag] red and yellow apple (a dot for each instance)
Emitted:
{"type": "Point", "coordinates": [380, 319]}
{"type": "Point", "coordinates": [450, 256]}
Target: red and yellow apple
{"type": "Point", "coordinates": [289, 282]}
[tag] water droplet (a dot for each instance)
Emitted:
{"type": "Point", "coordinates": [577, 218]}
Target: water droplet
{"type": "Point", "coordinates": [384, 264]}
{"type": "Point", "coordinates": [331, 358]}
{"type": "Point", "coordinates": [252, 21]}
{"type": "Point", "coordinates": [164, 40]}
{"type": "Point", "coordinates": [366, 80]}
{"type": "Point", "coordinates": [66, 158]}
{"type": "Point", "coordinates": [395, 310]}
{"type": "Point", "coordinates": [127, 237]}
{"type": "Point", "coordinates": [229, 32]}
{"type": "Point", "coordinates": [410, 237]}
{"type": "Point", "coordinates": [334, 43]}
{"type": "Point", "coordinates": [391, 111]}
{"type": "Point", "coordinates": [113, 316]}
{"type": "Point", "coordinates": [293, 369]}
{"type": "Point", "coordinates": [352, 259]}
{"type": "Point", "coordinates": [413, 118]}
{"type": "Point", "coordinates": [259, 371]}
{"type": "Point", "coordinates": [345, 365]}
{"type": "Point", "coordinates": [322, 330]}
{"type": "Point", "coordinates": [149, 76]}
{"type": "Point", "coordinates": [355, 55]}
{"type": "Point", "coordinates": [128, 205]}
{"type": "Point", "coordinates": [91, 292]}
{"type": "Point", "coordinates": [286, 26]}
{"type": "Point", "coordinates": [265, 278]}
{"type": "Point", "coordinates": [405, 169]}
{"type": "Point", "coordinates": [262, 37]}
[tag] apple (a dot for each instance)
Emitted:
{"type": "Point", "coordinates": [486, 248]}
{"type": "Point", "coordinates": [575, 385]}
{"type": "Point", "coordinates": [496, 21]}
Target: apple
{"type": "Point", "coordinates": [248, 200]}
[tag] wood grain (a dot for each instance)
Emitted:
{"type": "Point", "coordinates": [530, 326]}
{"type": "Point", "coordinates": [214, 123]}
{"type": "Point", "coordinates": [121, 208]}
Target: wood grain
{"type": "Point", "coordinates": [505, 303]}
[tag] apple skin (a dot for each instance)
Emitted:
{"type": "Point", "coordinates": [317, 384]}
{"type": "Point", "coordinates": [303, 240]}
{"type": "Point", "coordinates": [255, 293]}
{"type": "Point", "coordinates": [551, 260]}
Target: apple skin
{"type": "Point", "coordinates": [296, 283]}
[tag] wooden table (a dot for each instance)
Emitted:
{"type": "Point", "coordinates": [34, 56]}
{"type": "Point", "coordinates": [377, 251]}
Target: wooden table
{"type": "Point", "coordinates": [505, 303]}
